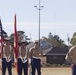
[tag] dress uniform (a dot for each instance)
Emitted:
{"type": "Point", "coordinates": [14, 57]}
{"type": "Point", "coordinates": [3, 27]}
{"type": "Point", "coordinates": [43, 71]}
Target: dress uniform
{"type": "Point", "coordinates": [23, 58]}
{"type": "Point", "coordinates": [35, 54]}
{"type": "Point", "coordinates": [71, 58]}
{"type": "Point", "coordinates": [7, 55]}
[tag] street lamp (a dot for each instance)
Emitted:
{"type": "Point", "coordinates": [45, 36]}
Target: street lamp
{"type": "Point", "coordinates": [39, 8]}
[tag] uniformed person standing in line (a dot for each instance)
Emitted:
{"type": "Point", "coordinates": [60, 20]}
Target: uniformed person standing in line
{"type": "Point", "coordinates": [23, 58]}
{"type": "Point", "coordinates": [7, 55]}
{"type": "Point", "coordinates": [71, 58]}
{"type": "Point", "coordinates": [35, 53]}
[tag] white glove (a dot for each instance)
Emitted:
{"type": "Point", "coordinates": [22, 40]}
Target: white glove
{"type": "Point", "coordinates": [8, 59]}
{"type": "Point", "coordinates": [43, 53]}
{"type": "Point", "coordinates": [29, 61]}
{"type": "Point", "coordinates": [15, 60]}
{"type": "Point", "coordinates": [24, 60]}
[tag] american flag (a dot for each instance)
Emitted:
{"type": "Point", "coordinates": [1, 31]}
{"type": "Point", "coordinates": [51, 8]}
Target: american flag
{"type": "Point", "coordinates": [1, 37]}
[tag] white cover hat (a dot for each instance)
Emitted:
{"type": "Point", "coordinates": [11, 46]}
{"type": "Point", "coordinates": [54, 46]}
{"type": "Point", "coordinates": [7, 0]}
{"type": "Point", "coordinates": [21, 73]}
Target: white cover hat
{"type": "Point", "coordinates": [7, 38]}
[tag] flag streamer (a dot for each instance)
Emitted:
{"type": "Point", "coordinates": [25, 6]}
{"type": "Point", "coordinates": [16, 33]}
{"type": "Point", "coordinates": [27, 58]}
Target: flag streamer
{"type": "Point", "coordinates": [15, 42]}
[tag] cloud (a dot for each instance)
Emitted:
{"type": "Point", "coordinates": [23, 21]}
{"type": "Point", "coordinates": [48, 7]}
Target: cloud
{"type": "Point", "coordinates": [35, 25]}
{"type": "Point", "coordinates": [32, 27]}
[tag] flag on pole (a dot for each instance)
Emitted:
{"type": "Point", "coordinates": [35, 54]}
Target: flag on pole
{"type": "Point", "coordinates": [1, 42]}
{"type": "Point", "coordinates": [15, 42]}
{"type": "Point", "coordinates": [1, 38]}
{"type": "Point", "coordinates": [15, 38]}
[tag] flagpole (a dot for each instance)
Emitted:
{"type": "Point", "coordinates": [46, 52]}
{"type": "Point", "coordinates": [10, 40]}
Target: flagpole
{"type": "Point", "coordinates": [15, 42]}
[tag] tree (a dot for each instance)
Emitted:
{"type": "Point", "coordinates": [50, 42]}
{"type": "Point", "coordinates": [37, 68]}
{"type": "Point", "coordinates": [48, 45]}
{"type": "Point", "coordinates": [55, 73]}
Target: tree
{"type": "Point", "coordinates": [73, 39]}
{"type": "Point", "coordinates": [56, 37]}
{"type": "Point", "coordinates": [55, 40]}
{"type": "Point", "coordinates": [4, 33]}
{"type": "Point", "coordinates": [21, 35]}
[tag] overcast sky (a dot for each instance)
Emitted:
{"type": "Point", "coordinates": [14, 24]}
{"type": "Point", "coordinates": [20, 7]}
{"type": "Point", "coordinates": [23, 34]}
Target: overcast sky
{"type": "Point", "coordinates": [57, 17]}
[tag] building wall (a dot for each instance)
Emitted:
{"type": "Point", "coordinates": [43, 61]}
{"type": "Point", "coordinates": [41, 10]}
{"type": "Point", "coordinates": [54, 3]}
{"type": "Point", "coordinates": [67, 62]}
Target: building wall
{"type": "Point", "coordinates": [56, 59]}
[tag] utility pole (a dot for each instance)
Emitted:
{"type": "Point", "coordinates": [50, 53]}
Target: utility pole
{"type": "Point", "coordinates": [39, 9]}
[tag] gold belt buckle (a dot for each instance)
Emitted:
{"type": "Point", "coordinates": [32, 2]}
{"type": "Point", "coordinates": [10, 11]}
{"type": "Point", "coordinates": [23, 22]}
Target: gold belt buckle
{"type": "Point", "coordinates": [23, 58]}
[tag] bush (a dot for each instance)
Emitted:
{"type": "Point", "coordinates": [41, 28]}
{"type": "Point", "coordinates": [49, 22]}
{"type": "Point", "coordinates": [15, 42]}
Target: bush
{"type": "Point", "coordinates": [54, 65]}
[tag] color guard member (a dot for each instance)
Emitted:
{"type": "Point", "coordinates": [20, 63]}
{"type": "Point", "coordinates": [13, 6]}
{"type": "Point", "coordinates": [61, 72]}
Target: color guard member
{"type": "Point", "coordinates": [23, 58]}
{"type": "Point", "coordinates": [71, 58]}
{"type": "Point", "coordinates": [35, 53]}
{"type": "Point", "coordinates": [7, 55]}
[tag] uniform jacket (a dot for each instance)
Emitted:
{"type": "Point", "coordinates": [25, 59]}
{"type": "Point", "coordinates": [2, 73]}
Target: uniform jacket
{"type": "Point", "coordinates": [33, 52]}
{"type": "Point", "coordinates": [71, 55]}
{"type": "Point", "coordinates": [8, 52]}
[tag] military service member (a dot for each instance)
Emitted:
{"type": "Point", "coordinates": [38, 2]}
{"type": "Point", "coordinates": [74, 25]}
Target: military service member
{"type": "Point", "coordinates": [35, 53]}
{"type": "Point", "coordinates": [7, 55]}
{"type": "Point", "coordinates": [71, 58]}
{"type": "Point", "coordinates": [23, 58]}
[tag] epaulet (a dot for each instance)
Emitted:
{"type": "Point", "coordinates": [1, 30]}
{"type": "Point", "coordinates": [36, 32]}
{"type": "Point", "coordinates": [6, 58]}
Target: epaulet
{"type": "Point", "coordinates": [31, 48]}
{"type": "Point", "coordinates": [73, 47]}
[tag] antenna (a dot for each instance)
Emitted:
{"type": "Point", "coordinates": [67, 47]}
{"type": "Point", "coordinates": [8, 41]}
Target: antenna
{"type": "Point", "coordinates": [54, 23]}
{"type": "Point", "coordinates": [68, 39]}
{"type": "Point", "coordinates": [30, 37]}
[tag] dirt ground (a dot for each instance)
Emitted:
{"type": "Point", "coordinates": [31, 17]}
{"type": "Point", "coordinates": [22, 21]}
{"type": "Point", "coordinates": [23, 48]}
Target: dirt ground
{"type": "Point", "coordinates": [48, 71]}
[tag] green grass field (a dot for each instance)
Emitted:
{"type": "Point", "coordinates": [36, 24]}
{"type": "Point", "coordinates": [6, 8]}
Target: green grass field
{"type": "Point", "coordinates": [49, 71]}
{"type": "Point", "coordinates": [56, 71]}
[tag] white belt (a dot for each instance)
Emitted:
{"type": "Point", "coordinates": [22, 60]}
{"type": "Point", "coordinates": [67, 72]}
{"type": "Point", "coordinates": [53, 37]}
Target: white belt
{"type": "Point", "coordinates": [36, 57]}
{"type": "Point", "coordinates": [7, 59]}
{"type": "Point", "coordinates": [24, 59]}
